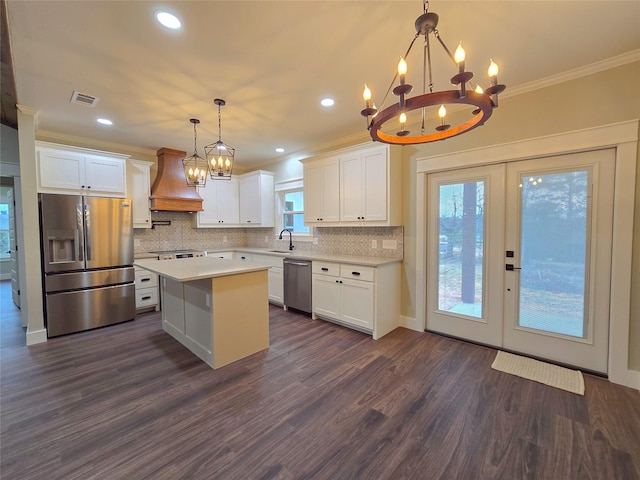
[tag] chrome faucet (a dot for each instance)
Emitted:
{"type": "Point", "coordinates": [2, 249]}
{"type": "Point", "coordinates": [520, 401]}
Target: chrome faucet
{"type": "Point", "coordinates": [291, 247]}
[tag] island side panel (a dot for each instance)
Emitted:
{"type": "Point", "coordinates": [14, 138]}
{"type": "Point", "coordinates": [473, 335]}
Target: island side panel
{"type": "Point", "coordinates": [241, 316]}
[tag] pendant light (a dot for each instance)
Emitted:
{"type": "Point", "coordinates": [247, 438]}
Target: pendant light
{"type": "Point", "coordinates": [219, 154]}
{"type": "Point", "coordinates": [195, 167]}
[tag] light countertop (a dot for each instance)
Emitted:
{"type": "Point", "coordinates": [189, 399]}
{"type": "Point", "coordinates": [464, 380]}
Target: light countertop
{"type": "Point", "coordinates": [188, 269]}
{"type": "Point", "coordinates": [327, 257]}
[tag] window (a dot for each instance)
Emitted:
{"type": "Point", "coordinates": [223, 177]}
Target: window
{"type": "Point", "coordinates": [5, 244]}
{"type": "Point", "coordinates": [290, 208]}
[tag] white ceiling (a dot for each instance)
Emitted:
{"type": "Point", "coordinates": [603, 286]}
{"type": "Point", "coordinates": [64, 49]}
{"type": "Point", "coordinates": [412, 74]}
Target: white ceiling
{"type": "Point", "coordinates": [272, 61]}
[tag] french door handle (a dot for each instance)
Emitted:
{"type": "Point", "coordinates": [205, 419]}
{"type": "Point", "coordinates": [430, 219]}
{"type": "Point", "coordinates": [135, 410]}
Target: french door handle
{"type": "Point", "coordinates": [510, 267]}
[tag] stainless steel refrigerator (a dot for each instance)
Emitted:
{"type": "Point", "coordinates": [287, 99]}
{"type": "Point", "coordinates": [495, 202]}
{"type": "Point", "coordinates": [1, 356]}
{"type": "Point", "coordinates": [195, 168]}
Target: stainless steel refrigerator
{"type": "Point", "coordinates": [87, 262]}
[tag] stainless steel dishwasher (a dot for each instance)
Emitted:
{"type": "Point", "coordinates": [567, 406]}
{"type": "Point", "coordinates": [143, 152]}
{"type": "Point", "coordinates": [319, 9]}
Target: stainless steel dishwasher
{"type": "Point", "coordinates": [297, 284]}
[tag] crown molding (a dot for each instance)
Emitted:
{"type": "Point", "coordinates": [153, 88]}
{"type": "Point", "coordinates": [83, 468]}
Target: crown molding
{"type": "Point", "coordinates": [617, 61]}
{"type": "Point", "coordinates": [92, 143]}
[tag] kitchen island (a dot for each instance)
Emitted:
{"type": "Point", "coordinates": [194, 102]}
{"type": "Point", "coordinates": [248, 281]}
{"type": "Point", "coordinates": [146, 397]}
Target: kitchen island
{"type": "Point", "coordinates": [218, 309]}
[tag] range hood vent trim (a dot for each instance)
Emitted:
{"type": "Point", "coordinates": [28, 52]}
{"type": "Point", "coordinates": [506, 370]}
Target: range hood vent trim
{"type": "Point", "coordinates": [170, 191]}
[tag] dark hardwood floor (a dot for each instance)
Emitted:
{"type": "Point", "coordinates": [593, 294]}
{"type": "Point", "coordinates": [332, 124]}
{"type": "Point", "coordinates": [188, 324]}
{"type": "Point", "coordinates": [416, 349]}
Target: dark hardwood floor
{"type": "Point", "coordinates": [323, 402]}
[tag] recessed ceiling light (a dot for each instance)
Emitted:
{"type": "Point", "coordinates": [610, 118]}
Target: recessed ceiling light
{"type": "Point", "coordinates": [168, 20]}
{"type": "Point", "coordinates": [327, 102]}
{"type": "Point", "coordinates": [104, 121]}
{"type": "Point", "coordinates": [280, 150]}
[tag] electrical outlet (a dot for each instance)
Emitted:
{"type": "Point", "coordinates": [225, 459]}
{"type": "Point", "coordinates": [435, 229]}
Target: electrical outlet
{"type": "Point", "coordinates": [136, 242]}
{"type": "Point", "coordinates": [315, 240]}
{"type": "Point", "coordinates": [266, 239]}
{"type": "Point", "coordinates": [224, 238]}
{"type": "Point", "coordinates": [390, 244]}
{"type": "Point", "coordinates": [374, 243]}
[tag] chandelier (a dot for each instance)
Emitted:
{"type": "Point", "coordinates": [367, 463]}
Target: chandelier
{"type": "Point", "coordinates": [195, 167]}
{"type": "Point", "coordinates": [219, 154]}
{"type": "Point", "coordinates": [482, 102]}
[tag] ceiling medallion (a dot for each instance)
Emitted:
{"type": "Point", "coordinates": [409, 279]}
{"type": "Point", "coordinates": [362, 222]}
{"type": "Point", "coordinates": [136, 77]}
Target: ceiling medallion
{"type": "Point", "coordinates": [483, 102]}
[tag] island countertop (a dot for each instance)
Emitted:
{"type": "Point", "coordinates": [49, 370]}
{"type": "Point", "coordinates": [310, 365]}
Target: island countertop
{"type": "Point", "coordinates": [188, 269]}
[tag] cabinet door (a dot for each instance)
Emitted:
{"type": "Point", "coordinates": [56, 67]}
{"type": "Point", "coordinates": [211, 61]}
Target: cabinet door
{"type": "Point", "coordinates": [322, 191]}
{"type": "Point", "coordinates": [331, 190]}
{"type": "Point", "coordinates": [209, 214]}
{"type": "Point", "coordinates": [250, 200]}
{"type": "Point", "coordinates": [105, 175]}
{"type": "Point", "coordinates": [352, 188]}
{"type": "Point", "coordinates": [326, 296]}
{"type": "Point", "coordinates": [138, 190]}
{"type": "Point", "coordinates": [228, 201]}
{"type": "Point", "coordinates": [276, 285]}
{"type": "Point", "coordinates": [375, 190]}
{"type": "Point", "coordinates": [313, 176]}
{"type": "Point", "coordinates": [357, 303]}
{"type": "Point", "coordinates": [64, 170]}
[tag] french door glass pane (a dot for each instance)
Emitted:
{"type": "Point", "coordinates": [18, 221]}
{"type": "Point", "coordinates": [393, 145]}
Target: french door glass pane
{"type": "Point", "coordinates": [553, 252]}
{"type": "Point", "coordinates": [461, 248]}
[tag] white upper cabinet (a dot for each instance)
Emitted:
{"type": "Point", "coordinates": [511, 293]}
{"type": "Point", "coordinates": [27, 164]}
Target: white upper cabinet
{"type": "Point", "coordinates": [138, 190]}
{"type": "Point", "coordinates": [67, 169]}
{"type": "Point", "coordinates": [362, 189]}
{"type": "Point", "coordinates": [322, 191]}
{"type": "Point", "coordinates": [244, 200]}
{"type": "Point", "coordinates": [257, 200]}
{"type": "Point", "coordinates": [221, 204]}
{"type": "Point", "coordinates": [364, 186]}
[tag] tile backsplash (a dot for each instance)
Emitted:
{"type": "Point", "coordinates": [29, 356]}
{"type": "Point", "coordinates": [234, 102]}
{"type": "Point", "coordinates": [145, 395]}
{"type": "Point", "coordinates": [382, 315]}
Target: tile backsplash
{"type": "Point", "coordinates": [181, 234]}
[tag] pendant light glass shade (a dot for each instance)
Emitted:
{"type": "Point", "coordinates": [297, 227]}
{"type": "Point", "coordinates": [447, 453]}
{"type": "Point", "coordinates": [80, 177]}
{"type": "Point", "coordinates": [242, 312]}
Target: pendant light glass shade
{"type": "Point", "coordinates": [220, 155]}
{"type": "Point", "coordinates": [195, 167]}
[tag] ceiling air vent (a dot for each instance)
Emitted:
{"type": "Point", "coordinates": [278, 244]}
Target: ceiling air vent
{"type": "Point", "coordinates": [84, 99]}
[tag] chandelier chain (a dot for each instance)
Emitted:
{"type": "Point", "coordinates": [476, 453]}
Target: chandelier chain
{"type": "Point", "coordinates": [219, 126]}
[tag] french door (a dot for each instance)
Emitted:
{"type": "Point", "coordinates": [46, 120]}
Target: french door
{"type": "Point", "coordinates": [519, 256]}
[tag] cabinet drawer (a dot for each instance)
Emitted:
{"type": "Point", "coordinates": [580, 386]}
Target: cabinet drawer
{"type": "Point", "coordinates": [324, 268]}
{"type": "Point", "coordinates": [358, 272]}
{"type": "Point", "coordinates": [145, 278]}
{"type": "Point", "coordinates": [146, 297]}
{"type": "Point", "coordinates": [223, 255]}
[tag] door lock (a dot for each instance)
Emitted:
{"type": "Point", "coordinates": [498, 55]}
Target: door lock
{"type": "Point", "coordinates": [510, 267]}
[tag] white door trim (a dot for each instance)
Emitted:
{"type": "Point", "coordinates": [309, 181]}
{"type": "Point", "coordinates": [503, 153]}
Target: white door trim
{"type": "Point", "coordinates": [622, 136]}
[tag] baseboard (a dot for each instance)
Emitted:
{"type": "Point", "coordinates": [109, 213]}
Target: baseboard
{"type": "Point", "coordinates": [37, 336]}
{"type": "Point", "coordinates": [411, 323]}
{"type": "Point", "coordinates": [628, 378]}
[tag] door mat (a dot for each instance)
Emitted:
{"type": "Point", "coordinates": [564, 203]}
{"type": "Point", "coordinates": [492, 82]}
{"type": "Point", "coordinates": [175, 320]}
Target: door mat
{"type": "Point", "coordinates": [541, 372]}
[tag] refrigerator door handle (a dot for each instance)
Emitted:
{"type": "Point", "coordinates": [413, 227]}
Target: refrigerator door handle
{"type": "Point", "coordinates": [79, 233]}
{"type": "Point", "coordinates": [87, 227]}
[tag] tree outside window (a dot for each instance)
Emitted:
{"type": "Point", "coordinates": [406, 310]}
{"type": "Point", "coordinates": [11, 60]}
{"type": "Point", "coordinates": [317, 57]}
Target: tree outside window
{"type": "Point", "coordinates": [5, 243]}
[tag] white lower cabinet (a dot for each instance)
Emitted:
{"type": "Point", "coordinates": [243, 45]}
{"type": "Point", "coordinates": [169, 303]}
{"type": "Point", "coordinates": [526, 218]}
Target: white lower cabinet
{"type": "Point", "coordinates": [361, 297]}
{"type": "Point", "coordinates": [146, 290]}
{"type": "Point", "coordinates": [276, 276]}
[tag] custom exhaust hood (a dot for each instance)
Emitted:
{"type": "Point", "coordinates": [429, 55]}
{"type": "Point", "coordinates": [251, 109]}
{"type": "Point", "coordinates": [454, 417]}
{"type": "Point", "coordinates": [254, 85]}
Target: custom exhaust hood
{"type": "Point", "coordinates": [170, 191]}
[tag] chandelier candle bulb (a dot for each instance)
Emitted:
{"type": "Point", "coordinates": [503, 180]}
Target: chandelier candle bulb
{"type": "Point", "coordinates": [493, 72]}
{"type": "Point", "coordinates": [459, 57]}
{"type": "Point", "coordinates": [402, 70]}
{"type": "Point", "coordinates": [403, 120]}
